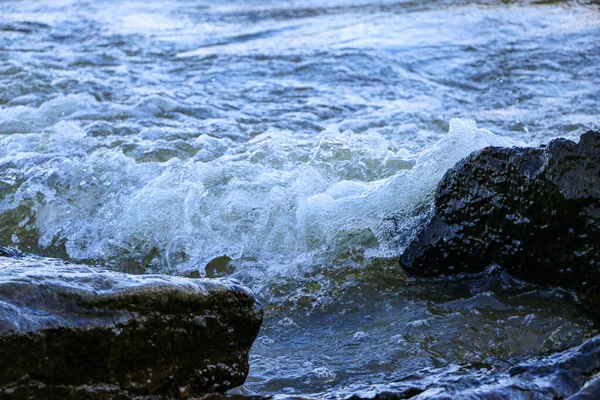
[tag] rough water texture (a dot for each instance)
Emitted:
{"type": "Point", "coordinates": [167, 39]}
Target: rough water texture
{"type": "Point", "coordinates": [71, 325]}
{"type": "Point", "coordinates": [177, 134]}
{"type": "Point", "coordinates": [294, 146]}
{"type": "Point", "coordinates": [535, 211]}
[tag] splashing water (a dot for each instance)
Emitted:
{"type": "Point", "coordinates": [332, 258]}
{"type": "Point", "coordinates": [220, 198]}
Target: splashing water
{"type": "Point", "coordinates": [295, 146]}
{"type": "Point", "coordinates": [280, 199]}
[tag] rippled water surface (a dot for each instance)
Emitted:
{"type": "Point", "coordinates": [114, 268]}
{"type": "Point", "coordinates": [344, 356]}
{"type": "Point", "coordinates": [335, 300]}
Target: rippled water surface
{"type": "Point", "coordinates": [295, 146]}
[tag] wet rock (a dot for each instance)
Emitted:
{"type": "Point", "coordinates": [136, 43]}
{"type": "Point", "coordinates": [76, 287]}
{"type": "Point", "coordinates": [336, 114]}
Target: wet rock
{"type": "Point", "coordinates": [10, 252]}
{"type": "Point", "coordinates": [535, 211]}
{"type": "Point", "coordinates": [591, 391]}
{"type": "Point", "coordinates": [552, 377]}
{"type": "Point", "coordinates": [73, 331]}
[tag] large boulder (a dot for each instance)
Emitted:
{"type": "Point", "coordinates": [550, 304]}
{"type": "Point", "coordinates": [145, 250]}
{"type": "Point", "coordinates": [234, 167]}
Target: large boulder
{"type": "Point", "coordinates": [535, 211]}
{"type": "Point", "coordinates": [69, 329]}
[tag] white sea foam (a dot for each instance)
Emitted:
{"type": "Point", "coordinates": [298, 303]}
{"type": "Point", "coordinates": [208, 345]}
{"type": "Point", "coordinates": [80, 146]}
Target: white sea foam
{"type": "Point", "coordinates": [384, 208]}
{"type": "Point", "coordinates": [280, 199]}
{"type": "Point", "coordinates": [30, 119]}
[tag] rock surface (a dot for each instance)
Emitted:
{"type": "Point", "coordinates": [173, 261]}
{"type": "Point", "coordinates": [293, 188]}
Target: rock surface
{"type": "Point", "coordinates": [570, 374]}
{"type": "Point", "coordinates": [535, 211]}
{"type": "Point", "coordinates": [81, 332]}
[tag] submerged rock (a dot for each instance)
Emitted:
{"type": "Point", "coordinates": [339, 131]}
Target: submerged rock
{"type": "Point", "coordinates": [81, 332]}
{"type": "Point", "coordinates": [535, 211]}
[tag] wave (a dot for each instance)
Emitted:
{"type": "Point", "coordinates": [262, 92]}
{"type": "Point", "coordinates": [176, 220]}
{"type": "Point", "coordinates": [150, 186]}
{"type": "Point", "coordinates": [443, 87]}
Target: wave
{"type": "Point", "coordinates": [281, 199]}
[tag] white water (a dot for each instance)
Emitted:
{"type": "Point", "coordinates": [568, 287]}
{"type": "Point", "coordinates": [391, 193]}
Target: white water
{"type": "Point", "coordinates": [280, 198]}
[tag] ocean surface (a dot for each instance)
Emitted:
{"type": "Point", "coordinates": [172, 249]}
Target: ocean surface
{"type": "Point", "coordinates": [295, 146]}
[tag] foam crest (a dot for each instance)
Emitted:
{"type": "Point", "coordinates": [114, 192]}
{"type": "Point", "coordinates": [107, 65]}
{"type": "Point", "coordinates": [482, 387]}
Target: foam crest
{"type": "Point", "coordinates": [279, 200]}
{"type": "Point", "coordinates": [82, 106]}
{"type": "Point", "coordinates": [20, 119]}
{"type": "Point", "coordinates": [382, 214]}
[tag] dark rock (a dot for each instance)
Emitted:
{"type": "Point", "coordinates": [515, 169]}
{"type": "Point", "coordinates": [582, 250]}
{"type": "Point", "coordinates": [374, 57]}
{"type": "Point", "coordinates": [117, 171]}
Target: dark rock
{"type": "Point", "coordinates": [535, 211]}
{"type": "Point", "coordinates": [557, 376]}
{"type": "Point", "coordinates": [81, 332]}
{"type": "Point", "coordinates": [34, 390]}
{"type": "Point", "coordinates": [10, 252]}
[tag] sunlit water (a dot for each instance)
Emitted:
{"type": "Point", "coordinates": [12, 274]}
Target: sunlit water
{"type": "Point", "coordinates": [294, 146]}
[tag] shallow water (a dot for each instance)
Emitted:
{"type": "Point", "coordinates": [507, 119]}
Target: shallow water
{"type": "Point", "coordinates": [294, 146]}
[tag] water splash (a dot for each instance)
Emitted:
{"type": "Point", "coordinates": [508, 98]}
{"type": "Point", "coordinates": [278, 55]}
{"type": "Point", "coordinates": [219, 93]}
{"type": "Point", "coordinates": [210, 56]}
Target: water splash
{"type": "Point", "coordinates": [281, 198]}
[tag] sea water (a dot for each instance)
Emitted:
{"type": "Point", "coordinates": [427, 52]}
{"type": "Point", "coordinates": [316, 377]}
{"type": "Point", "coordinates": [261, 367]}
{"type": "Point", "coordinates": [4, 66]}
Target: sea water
{"type": "Point", "coordinates": [294, 146]}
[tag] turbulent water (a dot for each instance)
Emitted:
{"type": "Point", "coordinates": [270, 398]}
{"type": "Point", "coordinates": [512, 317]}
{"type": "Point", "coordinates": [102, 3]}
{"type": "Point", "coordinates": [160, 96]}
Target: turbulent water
{"type": "Point", "coordinates": [294, 146]}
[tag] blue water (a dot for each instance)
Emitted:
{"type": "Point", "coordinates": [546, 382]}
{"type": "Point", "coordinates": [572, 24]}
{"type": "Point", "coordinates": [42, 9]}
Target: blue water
{"type": "Point", "coordinates": [294, 146]}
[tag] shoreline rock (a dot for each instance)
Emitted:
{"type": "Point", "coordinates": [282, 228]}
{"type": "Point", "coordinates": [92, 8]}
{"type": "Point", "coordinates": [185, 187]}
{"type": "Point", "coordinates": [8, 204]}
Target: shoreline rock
{"type": "Point", "coordinates": [570, 374]}
{"type": "Point", "coordinates": [535, 211]}
{"type": "Point", "coordinates": [71, 326]}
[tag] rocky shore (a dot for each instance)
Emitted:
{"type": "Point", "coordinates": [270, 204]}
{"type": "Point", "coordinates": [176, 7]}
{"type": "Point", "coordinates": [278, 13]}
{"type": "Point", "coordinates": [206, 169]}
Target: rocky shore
{"type": "Point", "coordinates": [533, 211]}
{"type": "Point", "coordinates": [73, 331]}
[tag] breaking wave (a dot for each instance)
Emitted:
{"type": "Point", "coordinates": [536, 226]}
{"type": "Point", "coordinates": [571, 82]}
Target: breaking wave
{"type": "Point", "coordinates": [280, 199]}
